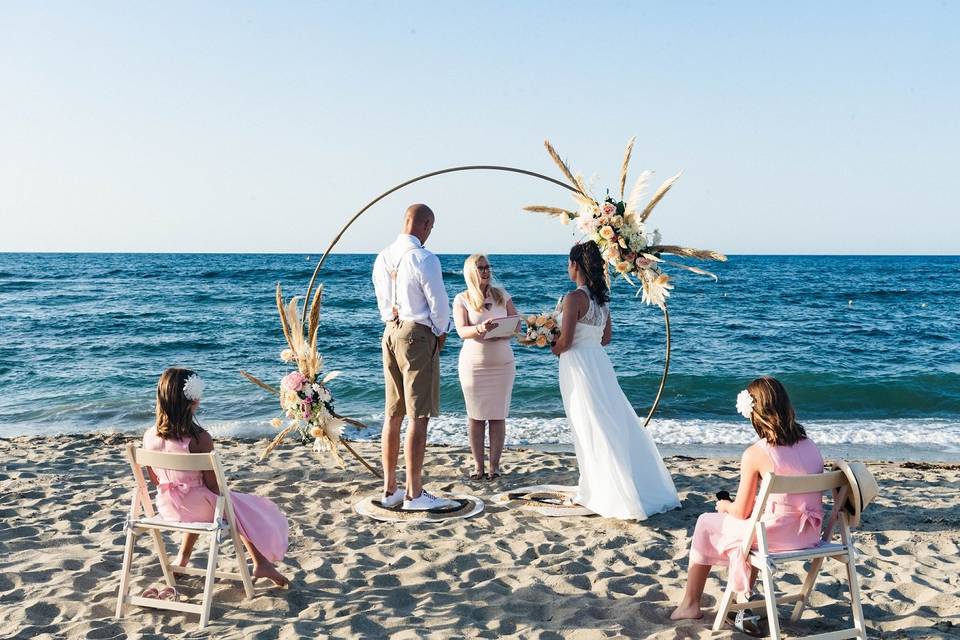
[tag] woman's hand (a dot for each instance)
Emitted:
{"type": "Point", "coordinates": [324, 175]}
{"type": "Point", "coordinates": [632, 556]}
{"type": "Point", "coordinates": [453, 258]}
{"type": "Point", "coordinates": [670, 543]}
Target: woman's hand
{"type": "Point", "coordinates": [556, 351]}
{"type": "Point", "coordinates": [485, 326]}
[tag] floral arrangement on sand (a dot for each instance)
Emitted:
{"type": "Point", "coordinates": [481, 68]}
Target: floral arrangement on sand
{"type": "Point", "coordinates": [305, 400]}
{"type": "Point", "coordinates": [619, 226]}
{"type": "Point", "coordinates": [542, 330]}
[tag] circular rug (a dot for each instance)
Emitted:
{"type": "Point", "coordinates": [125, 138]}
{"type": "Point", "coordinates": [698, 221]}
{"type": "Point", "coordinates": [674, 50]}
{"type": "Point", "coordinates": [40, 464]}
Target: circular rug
{"type": "Point", "coordinates": [546, 499]}
{"type": "Point", "coordinates": [467, 506]}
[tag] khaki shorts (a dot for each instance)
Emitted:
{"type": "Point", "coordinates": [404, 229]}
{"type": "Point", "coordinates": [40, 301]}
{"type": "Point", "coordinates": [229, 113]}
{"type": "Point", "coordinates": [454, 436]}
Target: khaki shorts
{"type": "Point", "coordinates": [411, 370]}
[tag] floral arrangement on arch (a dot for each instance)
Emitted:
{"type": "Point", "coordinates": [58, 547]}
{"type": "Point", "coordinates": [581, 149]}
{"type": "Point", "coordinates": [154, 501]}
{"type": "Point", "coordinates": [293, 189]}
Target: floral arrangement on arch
{"type": "Point", "coordinates": [305, 400]}
{"type": "Point", "coordinates": [619, 227]}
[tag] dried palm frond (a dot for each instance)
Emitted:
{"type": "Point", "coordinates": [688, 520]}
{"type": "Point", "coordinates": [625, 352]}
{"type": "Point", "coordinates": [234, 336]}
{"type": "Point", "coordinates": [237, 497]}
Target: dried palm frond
{"type": "Point", "coordinates": [260, 383]}
{"type": "Point", "coordinates": [292, 314]}
{"type": "Point", "coordinates": [658, 196]}
{"type": "Point", "coordinates": [330, 376]}
{"type": "Point", "coordinates": [626, 163]}
{"type": "Point", "coordinates": [702, 254]}
{"type": "Point", "coordinates": [556, 212]}
{"type": "Point", "coordinates": [637, 194]}
{"type": "Point", "coordinates": [696, 270]}
{"type": "Point", "coordinates": [283, 318]}
{"type": "Point", "coordinates": [564, 169]}
{"type": "Point", "coordinates": [656, 288]}
{"type": "Point", "coordinates": [277, 441]}
{"type": "Point", "coordinates": [314, 323]}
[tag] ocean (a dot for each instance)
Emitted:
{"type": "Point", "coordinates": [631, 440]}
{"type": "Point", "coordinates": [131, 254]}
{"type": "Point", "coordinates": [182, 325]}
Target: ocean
{"type": "Point", "coordinates": [868, 346]}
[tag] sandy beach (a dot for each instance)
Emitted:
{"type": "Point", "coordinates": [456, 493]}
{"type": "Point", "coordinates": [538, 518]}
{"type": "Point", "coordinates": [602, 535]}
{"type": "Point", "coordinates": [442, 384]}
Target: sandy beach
{"type": "Point", "coordinates": [504, 573]}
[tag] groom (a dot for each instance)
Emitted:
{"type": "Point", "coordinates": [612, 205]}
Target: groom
{"type": "Point", "coordinates": [416, 311]}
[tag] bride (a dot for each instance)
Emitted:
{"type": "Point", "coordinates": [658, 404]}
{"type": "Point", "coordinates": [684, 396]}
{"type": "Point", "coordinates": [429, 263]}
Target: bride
{"type": "Point", "coordinates": [621, 472]}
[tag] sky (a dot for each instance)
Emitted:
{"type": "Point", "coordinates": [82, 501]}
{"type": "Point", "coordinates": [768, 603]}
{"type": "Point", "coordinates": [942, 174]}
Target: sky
{"type": "Point", "coordinates": [263, 126]}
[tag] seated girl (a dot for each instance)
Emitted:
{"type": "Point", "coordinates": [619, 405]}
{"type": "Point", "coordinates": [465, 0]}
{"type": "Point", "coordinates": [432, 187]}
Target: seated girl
{"type": "Point", "coordinates": [793, 520]}
{"type": "Point", "coordinates": [191, 496]}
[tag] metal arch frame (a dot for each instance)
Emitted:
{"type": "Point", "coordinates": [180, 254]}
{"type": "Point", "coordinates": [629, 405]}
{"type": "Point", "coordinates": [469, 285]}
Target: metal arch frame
{"type": "Point", "coordinates": [482, 167]}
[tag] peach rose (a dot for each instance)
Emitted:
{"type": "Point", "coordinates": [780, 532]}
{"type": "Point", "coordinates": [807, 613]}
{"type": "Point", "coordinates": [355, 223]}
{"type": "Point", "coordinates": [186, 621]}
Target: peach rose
{"type": "Point", "coordinates": [609, 208]}
{"type": "Point", "coordinates": [617, 221]}
{"type": "Point", "coordinates": [607, 232]}
{"type": "Point", "coordinates": [623, 267]}
{"type": "Point", "coordinates": [550, 323]}
{"type": "Point", "coordinates": [542, 341]}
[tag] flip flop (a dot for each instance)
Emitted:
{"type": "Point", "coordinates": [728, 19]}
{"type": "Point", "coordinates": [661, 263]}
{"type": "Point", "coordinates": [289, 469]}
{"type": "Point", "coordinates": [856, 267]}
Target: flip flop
{"type": "Point", "coordinates": [493, 476]}
{"type": "Point", "coordinates": [151, 592]}
{"type": "Point", "coordinates": [477, 476]}
{"type": "Point", "coordinates": [746, 622]}
{"type": "Point", "coordinates": [169, 593]}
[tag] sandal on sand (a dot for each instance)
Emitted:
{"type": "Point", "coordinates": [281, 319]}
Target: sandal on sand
{"type": "Point", "coordinates": [169, 593]}
{"type": "Point", "coordinates": [746, 622]}
{"type": "Point", "coordinates": [493, 476]}
{"type": "Point", "coordinates": [476, 476]}
{"type": "Point", "coordinates": [151, 592]}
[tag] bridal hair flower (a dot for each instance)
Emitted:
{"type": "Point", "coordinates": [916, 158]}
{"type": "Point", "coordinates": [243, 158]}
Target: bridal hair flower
{"type": "Point", "coordinates": [193, 388]}
{"type": "Point", "coordinates": [745, 404]}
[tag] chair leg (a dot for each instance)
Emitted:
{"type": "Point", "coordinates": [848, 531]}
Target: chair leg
{"type": "Point", "coordinates": [807, 587]}
{"type": "Point", "coordinates": [125, 575]}
{"type": "Point", "coordinates": [242, 567]}
{"type": "Point", "coordinates": [771, 598]}
{"type": "Point", "coordinates": [723, 608]}
{"type": "Point", "coordinates": [855, 605]}
{"type": "Point", "coordinates": [208, 582]}
{"type": "Point", "coordinates": [164, 559]}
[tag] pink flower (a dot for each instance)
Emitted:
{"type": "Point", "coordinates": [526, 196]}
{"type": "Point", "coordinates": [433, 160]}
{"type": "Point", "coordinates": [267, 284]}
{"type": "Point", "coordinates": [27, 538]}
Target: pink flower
{"type": "Point", "coordinates": [609, 208]}
{"type": "Point", "coordinates": [293, 381]}
{"type": "Point", "coordinates": [643, 263]}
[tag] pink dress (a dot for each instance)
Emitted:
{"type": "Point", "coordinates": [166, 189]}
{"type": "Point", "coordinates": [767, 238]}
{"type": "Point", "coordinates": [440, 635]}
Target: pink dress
{"type": "Point", "coordinates": [486, 367]}
{"type": "Point", "coordinates": [792, 520]}
{"type": "Point", "coordinates": [182, 497]}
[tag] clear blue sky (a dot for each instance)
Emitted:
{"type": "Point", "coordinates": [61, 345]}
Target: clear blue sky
{"type": "Point", "coordinates": [801, 127]}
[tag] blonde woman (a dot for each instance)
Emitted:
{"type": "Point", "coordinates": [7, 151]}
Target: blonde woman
{"type": "Point", "coordinates": [486, 365]}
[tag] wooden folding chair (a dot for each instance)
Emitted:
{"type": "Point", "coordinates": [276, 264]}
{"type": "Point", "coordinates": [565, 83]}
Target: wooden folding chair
{"type": "Point", "coordinates": [142, 519]}
{"type": "Point", "coordinates": [766, 561]}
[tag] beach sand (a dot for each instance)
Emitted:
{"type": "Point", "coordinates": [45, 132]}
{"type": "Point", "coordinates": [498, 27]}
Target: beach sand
{"type": "Point", "coordinates": [504, 573]}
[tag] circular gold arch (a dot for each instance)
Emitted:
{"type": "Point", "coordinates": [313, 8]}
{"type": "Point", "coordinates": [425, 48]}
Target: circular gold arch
{"type": "Point", "coordinates": [484, 167]}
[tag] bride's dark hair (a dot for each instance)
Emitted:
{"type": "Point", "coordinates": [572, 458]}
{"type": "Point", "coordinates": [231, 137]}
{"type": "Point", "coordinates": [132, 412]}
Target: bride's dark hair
{"type": "Point", "coordinates": [586, 255]}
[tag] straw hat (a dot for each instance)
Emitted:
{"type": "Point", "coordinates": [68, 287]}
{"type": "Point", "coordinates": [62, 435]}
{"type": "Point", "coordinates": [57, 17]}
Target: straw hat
{"type": "Point", "coordinates": [863, 488]}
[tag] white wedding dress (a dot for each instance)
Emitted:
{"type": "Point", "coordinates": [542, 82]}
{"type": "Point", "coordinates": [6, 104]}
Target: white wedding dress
{"type": "Point", "coordinates": [621, 472]}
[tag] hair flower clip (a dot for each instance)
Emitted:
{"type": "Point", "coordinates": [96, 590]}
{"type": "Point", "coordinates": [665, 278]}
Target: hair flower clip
{"type": "Point", "coordinates": [193, 387]}
{"type": "Point", "coordinates": [745, 404]}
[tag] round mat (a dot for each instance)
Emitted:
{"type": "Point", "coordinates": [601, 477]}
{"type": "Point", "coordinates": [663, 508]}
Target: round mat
{"type": "Point", "coordinates": [546, 499]}
{"type": "Point", "coordinates": [372, 507]}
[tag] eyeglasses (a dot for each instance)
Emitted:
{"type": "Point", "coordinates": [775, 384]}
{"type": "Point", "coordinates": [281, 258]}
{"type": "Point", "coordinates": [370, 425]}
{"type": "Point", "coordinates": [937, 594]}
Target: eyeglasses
{"type": "Point", "coordinates": [483, 268]}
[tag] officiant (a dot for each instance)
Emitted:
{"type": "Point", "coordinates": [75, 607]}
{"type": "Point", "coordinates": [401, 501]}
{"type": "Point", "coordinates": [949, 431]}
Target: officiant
{"type": "Point", "coordinates": [486, 365]}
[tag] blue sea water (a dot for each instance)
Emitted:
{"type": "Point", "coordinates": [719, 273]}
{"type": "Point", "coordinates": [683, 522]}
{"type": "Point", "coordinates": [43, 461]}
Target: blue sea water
{"type": "Point", "coordinates": [868, 346]}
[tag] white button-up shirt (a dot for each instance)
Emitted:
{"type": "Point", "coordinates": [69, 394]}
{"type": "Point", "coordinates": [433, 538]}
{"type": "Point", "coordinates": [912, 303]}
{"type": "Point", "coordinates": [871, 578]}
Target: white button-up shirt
{"type": "Point", "coordinates": [420, 294]}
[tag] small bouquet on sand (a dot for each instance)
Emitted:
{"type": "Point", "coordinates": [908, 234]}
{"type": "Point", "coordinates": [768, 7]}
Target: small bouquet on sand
{"type": "Point", "coordinates": [542, 330]}
{"type": "Point", "coordinates": [304, 397]}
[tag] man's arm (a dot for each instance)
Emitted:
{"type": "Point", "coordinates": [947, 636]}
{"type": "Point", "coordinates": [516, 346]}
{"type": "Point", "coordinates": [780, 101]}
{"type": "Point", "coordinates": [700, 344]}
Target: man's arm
{"type": "Point", "coordinates": [431, 279]}
{"type": "Point", "coordinates": [383, 288]}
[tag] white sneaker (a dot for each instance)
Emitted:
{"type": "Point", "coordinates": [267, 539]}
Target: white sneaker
{"type": "Point", "coordinates": [426, 502]}
{"type": "Point", "coordinates": [395, 499]}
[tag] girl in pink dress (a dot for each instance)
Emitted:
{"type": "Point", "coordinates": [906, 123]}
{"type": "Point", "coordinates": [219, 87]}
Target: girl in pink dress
{"type": "Point", "coordinates": [792, 520]}
{"type": "Point", "coordinates": [191, 496]}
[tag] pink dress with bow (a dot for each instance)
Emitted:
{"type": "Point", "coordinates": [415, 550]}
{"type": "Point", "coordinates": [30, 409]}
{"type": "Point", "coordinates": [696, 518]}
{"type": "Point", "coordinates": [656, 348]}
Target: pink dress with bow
{"type": "Point", "coordinates": [182, 497]}
{"type": "Point", "coordinates": [792, 521]}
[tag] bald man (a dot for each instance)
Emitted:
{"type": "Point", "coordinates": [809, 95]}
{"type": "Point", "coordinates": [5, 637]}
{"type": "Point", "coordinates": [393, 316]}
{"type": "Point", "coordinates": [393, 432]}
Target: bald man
{"type": "Point", "coordinates": [416, 314]}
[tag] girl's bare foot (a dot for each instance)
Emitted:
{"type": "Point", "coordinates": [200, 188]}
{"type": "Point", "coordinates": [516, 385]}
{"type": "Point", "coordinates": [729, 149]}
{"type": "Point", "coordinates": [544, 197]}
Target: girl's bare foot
{"type": "Point", "coordinates": [691, 612]}
{"type": "Point", "coordinates": [270, 573]}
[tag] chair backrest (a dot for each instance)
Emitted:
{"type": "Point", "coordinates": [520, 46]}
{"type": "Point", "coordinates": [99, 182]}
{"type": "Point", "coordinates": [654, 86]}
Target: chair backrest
{"type": "Point", "coordinates": [139, 457]}
{"type": "Point", "coordinates": [833, 481]}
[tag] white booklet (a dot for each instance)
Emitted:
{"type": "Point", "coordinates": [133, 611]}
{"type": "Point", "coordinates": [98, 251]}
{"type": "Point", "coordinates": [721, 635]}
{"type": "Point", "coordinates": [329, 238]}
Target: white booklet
{"type": "Point", "coordinates": [505, 328]}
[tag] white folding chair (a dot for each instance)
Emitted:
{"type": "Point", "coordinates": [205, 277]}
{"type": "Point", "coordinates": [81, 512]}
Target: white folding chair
{"type": "Point", "coordinates": [766, 561]}
{"type": "Point", "coordinates": [142, 519]}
